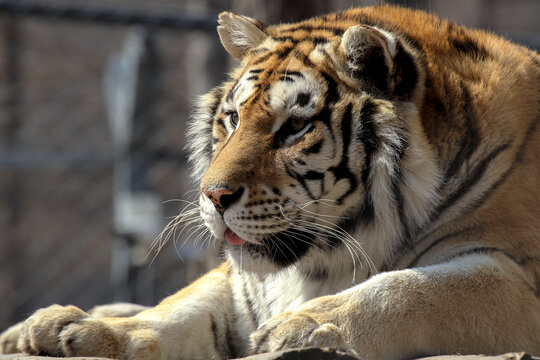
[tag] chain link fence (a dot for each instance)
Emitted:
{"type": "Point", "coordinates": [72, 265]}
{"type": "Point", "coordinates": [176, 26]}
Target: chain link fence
{"type": "Point", "coordinates": [66, 87]}
{"type": "Point", "coordinates": [67, 172]}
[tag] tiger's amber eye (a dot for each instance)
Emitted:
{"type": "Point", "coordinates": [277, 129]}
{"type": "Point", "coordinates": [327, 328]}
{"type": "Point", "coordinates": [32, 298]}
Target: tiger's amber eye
{"type": "Point", "coordinates": [296, 124]}
{"type": "Point", "coordinates": [233, 116]}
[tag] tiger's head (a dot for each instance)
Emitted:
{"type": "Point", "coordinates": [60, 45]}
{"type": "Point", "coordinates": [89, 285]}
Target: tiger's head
{"type": "Point", "coordinates": [301, 156]}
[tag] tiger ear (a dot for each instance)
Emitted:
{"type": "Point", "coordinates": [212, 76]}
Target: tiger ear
{"type": "Point", "coordinates": [239, 33]}
{"type": "Point", "coordinates": [369, 54]}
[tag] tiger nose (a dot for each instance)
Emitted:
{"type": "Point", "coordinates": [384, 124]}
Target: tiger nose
{"type": "Point", "coordinates": [224, 197]}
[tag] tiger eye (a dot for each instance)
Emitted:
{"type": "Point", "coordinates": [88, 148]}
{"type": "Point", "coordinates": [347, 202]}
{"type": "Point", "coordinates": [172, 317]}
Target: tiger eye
{"type": "Point", "coordinates": [296, 124]}
{"type": "Point", "coordinates": [233, 116]}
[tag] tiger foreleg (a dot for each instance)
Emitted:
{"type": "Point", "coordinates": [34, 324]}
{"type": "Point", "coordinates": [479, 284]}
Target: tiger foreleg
{"type": "Point", "coordinates": [187, 325]}
{"type": "Point", "coordinates": [10, 337]}
{"type": "Point", "coordinates": [474, 304]}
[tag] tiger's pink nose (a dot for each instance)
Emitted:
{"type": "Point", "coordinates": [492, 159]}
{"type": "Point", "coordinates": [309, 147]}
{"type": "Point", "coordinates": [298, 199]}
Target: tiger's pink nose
{"type": "Point", "coordinates": [223, 197]}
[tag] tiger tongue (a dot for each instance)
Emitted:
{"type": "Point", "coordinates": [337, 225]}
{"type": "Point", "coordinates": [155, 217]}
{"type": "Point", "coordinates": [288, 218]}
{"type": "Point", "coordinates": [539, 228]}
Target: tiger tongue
{"type": "Point", "coordinates": [232, 238]}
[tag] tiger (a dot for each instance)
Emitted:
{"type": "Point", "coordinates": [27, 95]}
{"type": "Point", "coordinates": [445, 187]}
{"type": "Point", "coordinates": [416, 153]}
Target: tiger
{"type": "Point", "coordinates": [373, 178]}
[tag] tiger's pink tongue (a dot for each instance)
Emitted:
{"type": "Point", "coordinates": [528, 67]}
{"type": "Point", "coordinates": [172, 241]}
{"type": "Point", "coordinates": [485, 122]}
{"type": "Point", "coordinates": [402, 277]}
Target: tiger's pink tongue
{"type": "Point", "coordinates": [232, 238]}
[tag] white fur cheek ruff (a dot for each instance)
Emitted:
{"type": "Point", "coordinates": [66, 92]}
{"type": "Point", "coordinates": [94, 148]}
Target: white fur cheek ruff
{"type": "Point", "coordinates": [199, 133]}
{"type": "Point", "coordinates": [211, 217]}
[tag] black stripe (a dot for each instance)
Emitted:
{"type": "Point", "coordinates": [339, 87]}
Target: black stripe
{"type": "Point", "coordinates": [473, 178]}
{"type": "Point", "coordinates": [262, 341]}
{"type": "Point", "coordinates": [221, 122]}
{"type": "Point", "coordinates": [324, 116]}
{"type": "Point", "coordinates": [217, 93]}
{"type": "Point", "coordinates": [518, 159]}
{"type": "Point", "coordinates": [261, 289]}
{"type": "Point", "coordinates": [371, 142]}
{"type": "Point", "coordinates": [470, 181]}
{"type": "Point", "coordinates": [406, 241]}
{"type": "Point", "coordinates": [367, 135]}
{"type": "Point", "coordinates": [342, 171]}
{"type": "Point", "coordinates": [263, 58]}
{"type": "Point", "coordinates": [395, 185]}
{"type": "Point", "coordinates": [252, 315]}
{"type": "Point", "coordinates": [305, 60]}
{"type": "Point", "coordinates": [313, 175]}
{"type": "Point", "coordinates": [286, 79]}
{"type": "Point", "coordinates": [302, 99]}
{"type": "Point", "coordinates": [474, 251]}
{"type": "Point", "coordinates": [286, 130]}
{"type": "Point", "coordinates": [332, 94]}
{"type": "Point", "coordinates": [293, 73]}
{"type": "Point", "coordinates": [253, 77]}
{"type": "Point", "coordinates": [468, 47]}
{"type": "Point", "coordinates": [415, 261]}
{"type": "Point", "coordinates": [244, 102]}
{"type": "Point", "coordinates": [231, 93]}
{"type": "Point", "coordinates": [313, 149]}
{"type": "Point", "coordinates": [256, 71]}
{"type": "Point", "coordinates": [282, 344]}
{"type": "Point", "coordinates": [396, 182]}
{"type": "Point", "coordinates": [310, 28]}
{"type": "Point", "coordinates": [470, 139]}
{"type": "Point", "coordinates": [301, 179]}
{"type": "Point", "coordinates": [530, 130]}
{"type": "Point", "coordinates": [283, 53]}
{"type": "Point", "coordinates": [314, 39]}
{"type": "Point", "coordinates": [213, 328]}
{"type": "Point", "coordinates": [232, 350]}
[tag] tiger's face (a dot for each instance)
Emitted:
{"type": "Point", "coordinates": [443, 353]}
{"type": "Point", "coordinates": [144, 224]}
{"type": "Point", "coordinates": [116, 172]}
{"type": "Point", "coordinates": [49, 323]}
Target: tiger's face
{"type": "Point", "coordinates": [290, 140]}
{"type": "Point", "coordinates": [280, 164]}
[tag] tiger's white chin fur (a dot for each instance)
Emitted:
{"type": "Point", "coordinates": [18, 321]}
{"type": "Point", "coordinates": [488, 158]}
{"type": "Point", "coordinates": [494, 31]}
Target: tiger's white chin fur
{"type": "Point", "coordinates": [245, 261]}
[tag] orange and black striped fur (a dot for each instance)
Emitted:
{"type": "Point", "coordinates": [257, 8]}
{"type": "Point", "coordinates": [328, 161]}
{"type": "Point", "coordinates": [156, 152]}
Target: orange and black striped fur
{"type": "Point", "coordinates": [373, 176]}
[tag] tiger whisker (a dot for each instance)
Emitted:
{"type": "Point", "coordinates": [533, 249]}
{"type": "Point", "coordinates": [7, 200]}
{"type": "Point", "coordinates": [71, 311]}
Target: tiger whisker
{"type": "Point", "coordinates": [280, 241]}
{"type": "Point", "coordinates": [187, 216]}
{"type": "Point", "coordinates": [340, 234]}
{"type": "Point", "coordinates": [353, 241]}
{"type": "Point", "coordinates": [296, 236]}
{"type": "Point", "coordinates": [354, 255]}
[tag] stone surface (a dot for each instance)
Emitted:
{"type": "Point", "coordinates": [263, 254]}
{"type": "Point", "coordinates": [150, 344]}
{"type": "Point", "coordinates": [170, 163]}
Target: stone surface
{"type": "Point", "coordinates": [303, 354]}
{"type": "Point", "coordinates": [509, 356]}
{"type": "Point", "coordinates": [309, 354]}
{"type": "Point", "coordinates": [31, 357]}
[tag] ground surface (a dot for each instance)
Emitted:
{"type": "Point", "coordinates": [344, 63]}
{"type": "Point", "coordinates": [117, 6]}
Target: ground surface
{"type": "Point", "coordinates": [309, 354]}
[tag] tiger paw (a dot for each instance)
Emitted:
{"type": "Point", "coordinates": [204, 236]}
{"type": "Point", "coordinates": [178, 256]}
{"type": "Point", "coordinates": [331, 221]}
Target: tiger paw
{"type": "Point", "coordinates": [67, 331]}
{"type": "Point", "coordinates": [9, 338]}
{"type": "Point", "coordinates": [292, 330]}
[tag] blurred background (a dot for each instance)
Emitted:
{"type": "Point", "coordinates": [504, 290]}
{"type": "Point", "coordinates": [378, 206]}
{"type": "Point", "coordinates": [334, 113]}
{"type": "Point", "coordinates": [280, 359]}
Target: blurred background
{"type": "Point", "coordinates": [94, 99]}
